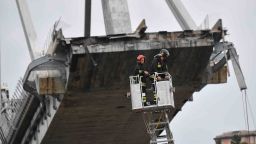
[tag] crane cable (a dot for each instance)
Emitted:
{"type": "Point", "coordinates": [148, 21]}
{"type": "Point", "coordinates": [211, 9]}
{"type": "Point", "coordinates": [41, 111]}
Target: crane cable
{"type": "Point", "coordinates": [246, 104]}
{"type": "Point", "coordinates": [247, 101]}
{"type": "Point", "coordinates": [244, 111]}
{"type": "Point", "coordinates": [252, 114]}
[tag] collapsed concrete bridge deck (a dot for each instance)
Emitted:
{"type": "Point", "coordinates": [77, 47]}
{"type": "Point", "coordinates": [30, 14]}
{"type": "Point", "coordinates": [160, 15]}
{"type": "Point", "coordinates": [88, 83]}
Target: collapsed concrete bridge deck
{"type": "Point", "coordinates": [86, 101]}
{"type": "Point", "coordinates": [95, 108]}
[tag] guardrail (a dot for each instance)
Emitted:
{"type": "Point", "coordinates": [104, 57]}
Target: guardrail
{"type": "Point", "coordinates": [12, 112]}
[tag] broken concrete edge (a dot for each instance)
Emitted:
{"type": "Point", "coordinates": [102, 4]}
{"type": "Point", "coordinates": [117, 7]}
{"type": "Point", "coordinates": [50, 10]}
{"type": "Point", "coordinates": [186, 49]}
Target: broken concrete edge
{"type": "Point", "coordinates": [49, 83]}
{"type": "Point", "coordinates": [46, 64]}
{"type": "Point", "coordinates": [216, 34]}
{"type": "Point", "coordinates": [184, 39]}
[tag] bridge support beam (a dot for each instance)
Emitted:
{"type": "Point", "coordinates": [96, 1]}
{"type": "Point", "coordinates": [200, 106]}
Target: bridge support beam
{"type": "Point", "coordinates": [41, 120]}
{"type": "Point", "coordinates": [28, 27]}
{"type": "Point", "coordinates": [116, 16]}
{"type": "Point", "coordinates": [181, 14]}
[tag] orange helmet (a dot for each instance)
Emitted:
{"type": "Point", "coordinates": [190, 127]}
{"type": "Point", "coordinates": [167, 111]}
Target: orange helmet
{"type": "Point", "coordinates": [140, 57]}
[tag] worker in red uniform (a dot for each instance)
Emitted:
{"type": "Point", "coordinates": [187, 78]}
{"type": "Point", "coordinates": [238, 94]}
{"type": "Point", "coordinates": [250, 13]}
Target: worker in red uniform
{"type": "Point", "coordinates": [143, 73]}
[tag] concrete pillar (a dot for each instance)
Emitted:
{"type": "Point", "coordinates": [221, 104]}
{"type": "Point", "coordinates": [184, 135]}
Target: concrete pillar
{"type": "Point", "coordinates": [87, 18]}
{"type": "Point", "coordinates": [28, 27]}
{"type": "Point", "coordinates": [181, 14]}
{"type": "Point", "coordinates": [116, 16]}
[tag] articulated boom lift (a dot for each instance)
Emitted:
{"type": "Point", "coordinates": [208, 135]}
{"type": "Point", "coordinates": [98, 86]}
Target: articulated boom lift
{"type": "Point", "coordinates": [155, 115]}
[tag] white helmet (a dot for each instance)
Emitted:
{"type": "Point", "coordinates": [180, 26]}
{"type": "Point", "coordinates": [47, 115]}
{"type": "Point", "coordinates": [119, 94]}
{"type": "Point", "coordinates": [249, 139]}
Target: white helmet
{"type": "Point", "coordinates": [165, 52]}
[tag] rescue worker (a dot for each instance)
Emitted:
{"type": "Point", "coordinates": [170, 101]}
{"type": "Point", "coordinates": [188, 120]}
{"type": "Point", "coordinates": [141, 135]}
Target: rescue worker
{"type": "Point", "coordinates": [143, 73]}
{"type": "Point", "coordinates": [159, 65]}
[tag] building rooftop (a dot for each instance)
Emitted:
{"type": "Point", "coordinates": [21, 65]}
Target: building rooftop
{"type": "Point", "coordinates": [239, 133]}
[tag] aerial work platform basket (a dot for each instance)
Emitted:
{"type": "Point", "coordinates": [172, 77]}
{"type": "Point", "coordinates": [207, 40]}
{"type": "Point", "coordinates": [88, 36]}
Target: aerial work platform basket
{"type": "Point", "coordinates": [162, 91]}
{"type": "Point", "coordinates": [155, 110]}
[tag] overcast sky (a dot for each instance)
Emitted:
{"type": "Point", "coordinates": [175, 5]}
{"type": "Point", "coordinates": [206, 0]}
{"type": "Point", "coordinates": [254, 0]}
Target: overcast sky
{"type": "Point", "coordinates": [215, 109]}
